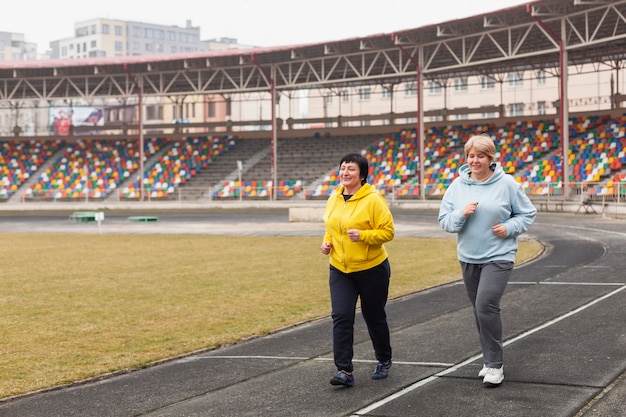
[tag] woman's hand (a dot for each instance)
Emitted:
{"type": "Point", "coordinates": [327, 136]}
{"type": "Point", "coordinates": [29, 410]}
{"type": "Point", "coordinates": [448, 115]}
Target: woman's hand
{"type": "Point", "coordinates": [499, 230]}
{"type": "Point", "coordinates": [354, 235]}
{"type": "Point", "coordinates": [326, 247]}
{"type": "Point", "coordinates": [470, 208]}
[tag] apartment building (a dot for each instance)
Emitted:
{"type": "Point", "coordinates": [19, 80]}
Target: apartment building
{"type": "Point", "coordinates": [102, 37]}
{"type": "Point", "coordinates": [13, 47]}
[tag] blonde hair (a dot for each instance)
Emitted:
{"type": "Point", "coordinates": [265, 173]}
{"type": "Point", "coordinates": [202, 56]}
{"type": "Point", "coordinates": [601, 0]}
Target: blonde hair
{"type": "Point", "coordinates": [483, 144]}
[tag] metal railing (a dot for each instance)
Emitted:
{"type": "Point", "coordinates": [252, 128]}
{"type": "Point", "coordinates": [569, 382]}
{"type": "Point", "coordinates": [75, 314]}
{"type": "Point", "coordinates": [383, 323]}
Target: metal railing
{"type": "Point", "coordinates": [548, 192]}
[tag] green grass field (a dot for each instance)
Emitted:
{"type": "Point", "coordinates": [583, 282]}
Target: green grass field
{"type": "Point", "coordinates": [78, 306]}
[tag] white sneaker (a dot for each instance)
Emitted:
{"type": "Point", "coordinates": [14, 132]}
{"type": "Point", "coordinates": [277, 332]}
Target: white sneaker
{"type": "Point", "coordinates": [493, 377]}
{"type": "Point", "coordinates": [483, 371]}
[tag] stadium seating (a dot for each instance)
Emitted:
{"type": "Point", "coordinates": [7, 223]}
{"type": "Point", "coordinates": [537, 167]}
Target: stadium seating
{"type": "Point", "coordinates": [307, 167]}
{"type": "Point", "coordinates": [90, 169]}
{"type": "Point", "coordinates": [182, 160]}
{"type": "Point", "coordinates": [20, 160]}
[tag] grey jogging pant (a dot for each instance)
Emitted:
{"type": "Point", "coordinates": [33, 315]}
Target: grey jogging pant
{"type": "Point", "coordinates": [485, 284]}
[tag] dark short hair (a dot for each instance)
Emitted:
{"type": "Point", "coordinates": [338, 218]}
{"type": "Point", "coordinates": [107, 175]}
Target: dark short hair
{"type": "Point", "coordinates": [361, 161]}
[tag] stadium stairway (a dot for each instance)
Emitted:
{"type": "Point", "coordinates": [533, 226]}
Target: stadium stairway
{"type": "Point", "coordinates": [26, 185]}
{"type": "Point", "coordinates": [224, 169]}
{"type": "Point", "coordinates": [117, 193]}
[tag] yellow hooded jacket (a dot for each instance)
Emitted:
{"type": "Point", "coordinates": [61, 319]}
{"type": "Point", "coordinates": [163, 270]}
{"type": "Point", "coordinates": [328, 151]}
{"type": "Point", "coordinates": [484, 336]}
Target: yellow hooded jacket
{"type": "Point", "coordinates": [366, 211]}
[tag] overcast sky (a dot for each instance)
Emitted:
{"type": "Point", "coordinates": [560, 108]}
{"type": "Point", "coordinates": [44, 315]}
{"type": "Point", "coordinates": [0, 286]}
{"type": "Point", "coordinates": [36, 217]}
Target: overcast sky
{"type": "Point", "coordinates": [251, 22]}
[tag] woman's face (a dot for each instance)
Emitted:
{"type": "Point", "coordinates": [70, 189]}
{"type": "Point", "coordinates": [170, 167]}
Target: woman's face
{"type": "Point", "coordinates": [478, 163]}
{"type": "Point", "coordinates": [350, 175]}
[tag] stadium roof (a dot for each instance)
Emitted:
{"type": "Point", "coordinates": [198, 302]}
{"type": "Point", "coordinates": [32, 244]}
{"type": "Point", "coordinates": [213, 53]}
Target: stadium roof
{"type": "Point", "coordinates": [521, 38]}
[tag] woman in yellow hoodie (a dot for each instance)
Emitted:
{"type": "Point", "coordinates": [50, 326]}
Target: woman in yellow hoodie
{"type": "Point", "coordinates": [358, 222]}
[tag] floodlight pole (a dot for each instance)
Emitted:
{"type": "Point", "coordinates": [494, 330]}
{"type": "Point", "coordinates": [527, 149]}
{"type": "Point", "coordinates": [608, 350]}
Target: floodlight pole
{"type": "Point", "coordinates": [419, 129]}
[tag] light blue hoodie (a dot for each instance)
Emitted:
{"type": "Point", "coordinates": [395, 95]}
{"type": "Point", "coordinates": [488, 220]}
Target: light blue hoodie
{"type": "Point", "coordinates": [500, 200]}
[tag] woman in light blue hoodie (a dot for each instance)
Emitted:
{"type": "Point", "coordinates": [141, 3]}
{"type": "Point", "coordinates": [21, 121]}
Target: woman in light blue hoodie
{"type": "Point", "coordinates": [487, 209]}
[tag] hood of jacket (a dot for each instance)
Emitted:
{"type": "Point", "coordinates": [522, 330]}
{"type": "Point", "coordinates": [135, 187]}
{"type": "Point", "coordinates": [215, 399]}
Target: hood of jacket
{"type": "Point", "coordinates": [365, 190]}
{"type": "Point", "coordinates": [464, 174]}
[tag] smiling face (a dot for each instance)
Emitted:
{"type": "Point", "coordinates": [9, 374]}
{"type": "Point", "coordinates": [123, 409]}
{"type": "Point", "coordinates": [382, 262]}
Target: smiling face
{"type": "Point", "coordinates": [350, 177]}
{"type": "Point", "coordinates": [478, 164]}
{"type": "Point", "coordinates": [480, 152]}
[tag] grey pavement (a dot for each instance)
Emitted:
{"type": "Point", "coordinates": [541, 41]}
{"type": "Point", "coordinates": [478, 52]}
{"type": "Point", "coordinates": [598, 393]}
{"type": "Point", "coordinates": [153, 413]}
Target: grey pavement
{"type": "Point", "coordinates": [565, 338]}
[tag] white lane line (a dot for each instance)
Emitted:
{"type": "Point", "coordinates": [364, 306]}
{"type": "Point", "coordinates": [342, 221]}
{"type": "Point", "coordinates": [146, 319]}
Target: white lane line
{"type": "Point", "coordinates": [287, 358]}
{"type": "Point", "coordinates": [423, 382]}
{"type": "Point", "coordinates": [303, 358]}
{"type": "Point", "coordinates": [599, 284]}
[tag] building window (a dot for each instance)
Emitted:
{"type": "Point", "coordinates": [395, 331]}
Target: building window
{"type": "Point", "coordinates": [149, 47]}
{"type": "Point", "coordinates": [515, 79]}
{"type": "Point", "coordinates": [328, 98]}
{"type": "Point", "coordinates": [105, 28]}
{"type": "Point", "coordinates": [487, 83]}
{"type": "Point", "coordinates": [541, 78]}
{"type": "Point", "coordinates": [94, 29]}
{"type": "Point", "coordinates": [541, 107]}
{"type": "Point", "coordinates": [344, 96]}
{"type": "Point", "coordinates": [119, 31]}
{"type": "Point", "coordinates": [212, 109]}
{"type": "Point", "coordinates": [137, 31]}
{"type": "Point", "coordinates": [93, 44]}
{"type": "Point", "coordinates": [364, 94]}
{"type": "Point", "coordinates": [386, 94]}
{"type": "Point", "coordinates": [119, 46]}
{"type": "Point", "coordinates": [515, 109]}
{"type": "Point", "coordinates": [154, 112]}
{"type": "Point", "coordinates": [460, 84]}
{"type": "Point", "coordinates": [84, 31]}
{"type": "Point", "coordinates": [434, 87]}
{"type": "Point", "coordinates": [411, 89]}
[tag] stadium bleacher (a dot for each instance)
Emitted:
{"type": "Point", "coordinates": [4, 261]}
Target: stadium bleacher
{"type": "Point", "coordinates": [308, 167]}
{"type": "Point", "coordinates": [20, 160]}
{"type": "Point", "coordinates": [89, 169]}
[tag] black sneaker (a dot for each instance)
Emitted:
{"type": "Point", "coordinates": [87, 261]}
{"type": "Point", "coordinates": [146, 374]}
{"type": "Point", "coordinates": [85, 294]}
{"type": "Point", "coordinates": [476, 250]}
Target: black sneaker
{"type": "Point", "coordinates": [382, 370]}
{"type": "Point", "coordinates": [342, 378]}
